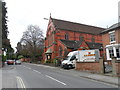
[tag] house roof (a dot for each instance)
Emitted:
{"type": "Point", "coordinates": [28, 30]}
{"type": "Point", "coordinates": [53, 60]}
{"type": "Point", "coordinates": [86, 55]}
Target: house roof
{"type": "Point", "coordinates": [48, 51]}
{"type": "Point", "coordinates": [76, 44]}
{"type": "Point", "coordinates": [72, 44]}
{"type": "Point", "coordinates": [114, 26]}
{"type": "Point", "coordinates": [72, 26]}
{"type": "Point", "coordinates": [92, 45]}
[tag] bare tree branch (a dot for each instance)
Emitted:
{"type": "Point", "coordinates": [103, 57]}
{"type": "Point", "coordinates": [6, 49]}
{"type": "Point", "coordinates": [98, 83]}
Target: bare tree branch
{"type": "Point", "coordinates": [33, 40]}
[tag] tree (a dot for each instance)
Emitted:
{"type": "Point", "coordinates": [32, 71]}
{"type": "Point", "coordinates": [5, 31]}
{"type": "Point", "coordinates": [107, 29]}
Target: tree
{"type": "Point", "coordinates": [5, 42]}
{"type": "Point", "coordinates": [33, 42]}
{"type": "Point", "coordinates": [6, 46]}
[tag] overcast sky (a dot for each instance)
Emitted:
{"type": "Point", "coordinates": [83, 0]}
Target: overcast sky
{"type": "Point", "coordinates": [21, 13]}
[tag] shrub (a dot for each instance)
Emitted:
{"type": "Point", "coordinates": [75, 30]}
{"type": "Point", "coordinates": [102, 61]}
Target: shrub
{"type": "Point", "coordinates": [20, 56]}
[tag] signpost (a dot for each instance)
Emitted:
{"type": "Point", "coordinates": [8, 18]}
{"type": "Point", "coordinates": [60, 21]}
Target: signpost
{"type": "Point", "coordinates": [88, 55]}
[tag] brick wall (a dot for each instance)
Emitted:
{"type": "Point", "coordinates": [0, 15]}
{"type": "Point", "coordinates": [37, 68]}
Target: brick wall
{"type": "Point", "coordinates": [118, 68]}
{"type": "Point", "coordinates": [76, 36]}
{"type": "Point", "coordinates": [106, 37]}
{"type": "Point", "coordinates": [88, 66]}
{"type": "Point", "coordinates": [118, 36]}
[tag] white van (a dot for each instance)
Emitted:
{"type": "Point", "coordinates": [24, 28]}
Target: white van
{"type": "Point", "coordinates": [80, 56]}
{"type": "Point", "coordinates": [69, 61]}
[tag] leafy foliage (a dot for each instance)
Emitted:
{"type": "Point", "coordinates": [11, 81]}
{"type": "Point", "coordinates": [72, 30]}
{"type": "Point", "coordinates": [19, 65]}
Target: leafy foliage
{"type": "Point", "coordinates": [5, 41]}
{"type": "Point", "coordinates": [20, 56]}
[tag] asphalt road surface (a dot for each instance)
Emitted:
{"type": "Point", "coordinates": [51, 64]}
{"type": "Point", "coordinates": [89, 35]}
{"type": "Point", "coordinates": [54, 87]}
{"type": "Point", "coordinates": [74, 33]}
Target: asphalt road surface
{"type": "Point", "coordinates": [40, 76]}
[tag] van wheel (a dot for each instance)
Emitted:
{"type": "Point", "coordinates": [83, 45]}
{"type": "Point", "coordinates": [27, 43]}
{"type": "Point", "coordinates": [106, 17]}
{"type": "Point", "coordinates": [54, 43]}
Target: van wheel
{"type": "Point", "coordinates": [70, 66]}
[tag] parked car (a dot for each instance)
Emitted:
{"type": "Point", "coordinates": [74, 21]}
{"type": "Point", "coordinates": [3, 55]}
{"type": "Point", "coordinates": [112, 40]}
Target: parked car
{"type": "Point", "coordinates": [18, 62]}
{"type": "Point", "coordinates": [10, 62]}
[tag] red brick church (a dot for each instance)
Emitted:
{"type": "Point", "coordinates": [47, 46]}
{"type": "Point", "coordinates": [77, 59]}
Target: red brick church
{"type": "Point", "coordinates": [65, 36]}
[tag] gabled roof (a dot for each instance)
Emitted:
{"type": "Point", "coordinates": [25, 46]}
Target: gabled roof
{"type": "Point", "coordinates": [76, 44]}
{"type": "Point", "coordinates": [72, 26]}
{"type": "Point", "coordinates": [92, 45]}
{"type": "Point", "coordinates": [114, 26]}
{"type": "Point", "coordinates": [72, 44]}
{"type": "Point", "coordinates": [48, 51]}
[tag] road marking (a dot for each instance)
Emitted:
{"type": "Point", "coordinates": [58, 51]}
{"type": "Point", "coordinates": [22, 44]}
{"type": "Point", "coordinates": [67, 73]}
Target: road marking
{"type": "Point", "coordinates": [55, 79]}
{"type": "Point", "coordinates": [37, 71]}
{"type": "Point", "coordinates": [63, 70]}
{"type": "Point", "coordinates": [21, 82]}
{"type": "Point", "coordinates": [14, 67]}
{"type": "Point", "coordinates": [41, 65]}
{"type": "Point", "coordinates": [27, 67]}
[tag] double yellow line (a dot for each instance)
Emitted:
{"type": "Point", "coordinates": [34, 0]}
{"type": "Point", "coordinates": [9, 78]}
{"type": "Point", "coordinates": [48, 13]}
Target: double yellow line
{"type": "Point", "coordinates": [21, 83]}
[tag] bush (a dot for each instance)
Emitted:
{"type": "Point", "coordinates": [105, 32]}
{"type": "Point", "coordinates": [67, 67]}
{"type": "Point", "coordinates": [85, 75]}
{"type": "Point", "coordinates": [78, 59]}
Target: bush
{"type": "Point", "coordinates": [20, 56]}
{"type": "Point", "coordinates": [3, 58]}
{"type": "Point", "coordinates": [57, 61]}
{"type": "Point", "coordinates": [49, 61]}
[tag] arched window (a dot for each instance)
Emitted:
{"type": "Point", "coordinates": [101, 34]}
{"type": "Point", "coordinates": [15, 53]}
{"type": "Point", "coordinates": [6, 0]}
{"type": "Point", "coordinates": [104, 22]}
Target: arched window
{"type": "Point", "coordinates": [60, 51]}
{"type": "Point", "coordinates": [66, 36]}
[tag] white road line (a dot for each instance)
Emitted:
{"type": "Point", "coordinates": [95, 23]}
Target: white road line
{"type": "Point", "coordinates": [27, 67]}
{"type": "Point", "coordinates": [55, 79]}
{"type": "Point", "coordinates": [41, 65]}
{"type": "Point", "coordinates": [21, 82]}
{"type": "Point", "coordinates": [14, 67]}
{"type": "Point", "coordinates": [37, 71]}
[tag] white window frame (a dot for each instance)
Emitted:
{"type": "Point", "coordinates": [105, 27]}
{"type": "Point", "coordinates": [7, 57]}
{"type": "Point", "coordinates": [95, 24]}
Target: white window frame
{"type": "Point", "coordinates": [112, 47]}
{"type": "Point", "coordinates": [111, 34]}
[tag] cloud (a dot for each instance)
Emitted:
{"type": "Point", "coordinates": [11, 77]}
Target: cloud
{"type": "Point", "coordinates": [92, 12]}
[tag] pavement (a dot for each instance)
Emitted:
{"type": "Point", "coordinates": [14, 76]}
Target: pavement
{"type": "Point", "coordinates": [99, 77]}
{"type": "Point", "coordinates": [106, 78]}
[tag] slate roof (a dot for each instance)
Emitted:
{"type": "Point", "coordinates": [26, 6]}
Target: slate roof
{"type": "Point", "coordinates": [114, 26]}
{"type": "Point", "coordinates": [72, 26]}
{"type": "Point", "coordinates": [76, 44]}
{"type": "Point", "coordinates": [92, 45]}
{"type": "Point", "coordinates": [72, 44]}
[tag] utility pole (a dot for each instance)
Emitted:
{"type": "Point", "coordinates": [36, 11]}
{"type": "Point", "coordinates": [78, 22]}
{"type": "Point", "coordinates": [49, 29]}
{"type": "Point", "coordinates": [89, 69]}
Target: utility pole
{"type": "Point", "coordinates": [118, 11]}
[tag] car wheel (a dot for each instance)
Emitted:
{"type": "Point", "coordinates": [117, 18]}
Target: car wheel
{"type": "Point", "coordinates": [65, 66]}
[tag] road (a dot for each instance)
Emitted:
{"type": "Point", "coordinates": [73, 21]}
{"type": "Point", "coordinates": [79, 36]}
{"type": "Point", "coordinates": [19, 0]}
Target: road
{"type": "Point", "coordinates": [40, 76]}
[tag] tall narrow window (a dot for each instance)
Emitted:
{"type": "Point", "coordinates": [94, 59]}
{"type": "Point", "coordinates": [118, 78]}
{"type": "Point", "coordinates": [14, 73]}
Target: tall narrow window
{"type": "Point", "coordinates": [111, 53]}
{"type": "Point", "coordinates": [66, 36]}
{"type": "Point", "coordinates": [118, 53]}
{"type": "Point", "coordinates": [93, 39]}
{"type": "Point", "coordinates": [112, 36]}
{"type": "Point", "coordinates": [60, 51]}
{"type": "Point", "coordinates": [81, 38]}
